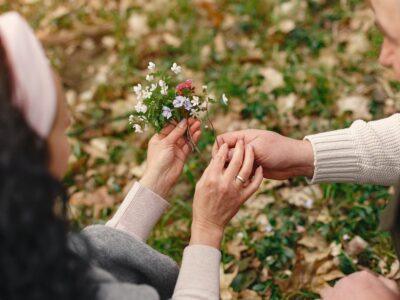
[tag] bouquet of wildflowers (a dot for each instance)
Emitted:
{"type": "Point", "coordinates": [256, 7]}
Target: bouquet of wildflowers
{"type": "Point", "coordinates": [165, 99]}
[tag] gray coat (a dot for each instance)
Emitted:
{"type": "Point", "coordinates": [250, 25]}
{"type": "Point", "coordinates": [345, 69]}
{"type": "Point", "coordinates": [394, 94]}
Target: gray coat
{"type": "Point", "coordinates": [126, 268]}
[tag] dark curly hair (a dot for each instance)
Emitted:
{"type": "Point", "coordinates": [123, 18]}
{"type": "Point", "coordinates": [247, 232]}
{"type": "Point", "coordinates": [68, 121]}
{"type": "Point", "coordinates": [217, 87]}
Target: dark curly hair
{"type": "Point", "coordinates": [36, 262]}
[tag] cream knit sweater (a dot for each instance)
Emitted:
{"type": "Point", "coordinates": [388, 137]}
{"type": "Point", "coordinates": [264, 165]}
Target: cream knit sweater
{"type": "Point", "coordinates": [367, 152]}
{"type": "Point", "coordinates": [364, 153]}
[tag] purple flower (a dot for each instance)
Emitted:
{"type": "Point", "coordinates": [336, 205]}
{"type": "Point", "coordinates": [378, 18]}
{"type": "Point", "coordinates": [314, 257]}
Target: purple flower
{"type": "Point", "coordinates": [179, 101]}
{"type": "Point", "coordinates": [187, 104]}
{"type": "Point", "coordinates": [167, 112]}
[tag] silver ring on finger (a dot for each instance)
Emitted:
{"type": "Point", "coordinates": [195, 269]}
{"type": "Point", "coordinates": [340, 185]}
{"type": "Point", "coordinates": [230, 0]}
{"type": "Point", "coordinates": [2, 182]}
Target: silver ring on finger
{"type": "Point", "coordinates": [241, 179]}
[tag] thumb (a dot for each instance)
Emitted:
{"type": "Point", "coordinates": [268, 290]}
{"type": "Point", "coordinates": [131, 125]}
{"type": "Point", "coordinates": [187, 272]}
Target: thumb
{"type": "Point", "coordinates": [177, 132]}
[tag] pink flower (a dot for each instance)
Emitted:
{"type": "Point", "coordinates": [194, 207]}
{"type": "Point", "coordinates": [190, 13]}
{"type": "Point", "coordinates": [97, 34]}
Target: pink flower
{"type": "Point", "coordinates": [187, 85]}
{"type": "Point", "coordinates": [181, 86]}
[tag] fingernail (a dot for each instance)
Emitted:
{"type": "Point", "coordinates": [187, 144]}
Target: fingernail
{"type": "Point", "coordinates": [182, 124]}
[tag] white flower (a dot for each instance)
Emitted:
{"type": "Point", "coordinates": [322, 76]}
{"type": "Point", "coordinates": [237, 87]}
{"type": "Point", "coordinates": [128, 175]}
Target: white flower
{"type": "Point", "coordinates": [195, 101]}
{"type": "Point", "coordinates": [146, 94]}
{"type": "Point", "coordinates": [153, 87]}
{"type": "Point", "coordinates": [346, 237]}
{"type": "Point", "coordinates": [164, 87]}
{"type": "Point", "coordinates": [194, 113]}
{"type": "Point", "coordinates": [204, 105]}
{"type": "Point", "coordinates": [176, 69]}
{"type": "Point", "coordinates": [131, 119]}
{"type": "Point", "coordinates": [269, 228]}
{"type": "Point", "coordinates": [309, 203]}
{"type": "Point", "coordinates": [152, 66]}
{"type": "Point", "coordinates": [164, 90]}
{"type": "Point", "coordinates": [137, 128]}
{"type": "Point", "coordinates": [205, 88]}
{"type": "Point", "coordinates": [141, 108]}
{"type": "Point", "coordinates": [225, 99]}
{"type": "Point", "coordinates": [137, 89]}
{"type": "Point", "coordinates": [149, 77]}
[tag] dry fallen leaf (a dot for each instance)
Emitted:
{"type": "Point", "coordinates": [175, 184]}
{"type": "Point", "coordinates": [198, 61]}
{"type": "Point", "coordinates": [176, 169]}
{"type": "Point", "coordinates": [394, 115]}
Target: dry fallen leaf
{"type": "Point", "coordinates": [259, 202]}
{"type": "Point", "coordinates": [335, 248]}
{"type": "Point", "coordinates": [220, 47]}
{"type": "Point", "coordinates": [249, 294]}
{"type": "Point", "coordinates": [325, 267]}
{"type": "Point", "coordinates": [272, 79]}
{"type": "Point", "coordinates": [358, 105]}
{"type": "Point", "coordinates": [314, 241]}
{"type": "Point", "coordinates": [301, 196]}
{"type": "Point", "coordinates": [286, 103]}
{"type": "Point", "coordinates": [394, 270]}
{"type": "Point", "coordinates": [235, 248]}
{"type": "Point", "coordinates": [172, 40]}
{"type": "Point", "coordinates": [137, 26]}
{"type": "Point", "coordinates": [225, 283]}
{"type": "Point", "coordinates": [98, 199]}
{"type": "Point", "coordinates": [97, 148]}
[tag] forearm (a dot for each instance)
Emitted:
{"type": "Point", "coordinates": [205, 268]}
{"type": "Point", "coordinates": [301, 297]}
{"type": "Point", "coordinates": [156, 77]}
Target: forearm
{"type": "Point", "coordinates": [367, 152]}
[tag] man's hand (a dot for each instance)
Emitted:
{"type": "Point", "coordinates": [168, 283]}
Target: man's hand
{"type": "Point", "coordinates": [362, 286]}
{"type": "Point", "coordinates": [280, 157]}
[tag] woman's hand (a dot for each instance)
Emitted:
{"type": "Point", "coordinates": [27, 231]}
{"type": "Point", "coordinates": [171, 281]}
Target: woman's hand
{"type": "Point", "coordinates": [220, 193]}
{"type": "Point", "coordinates": [166, 156]}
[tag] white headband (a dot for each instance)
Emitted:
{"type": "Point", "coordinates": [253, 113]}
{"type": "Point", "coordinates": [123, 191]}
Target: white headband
{"type": "Point", "coordinates": [34, 91]}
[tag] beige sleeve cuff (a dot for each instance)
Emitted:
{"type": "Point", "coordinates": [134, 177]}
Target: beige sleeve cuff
{"type": "Point", "coordinates": [335, 158]}
{"type": "Point", "coordinates": [199, 275]}
{"type": "Point", "coordinates": [367, 152]}
{"type": "Point", "coordinates": [139, 212]}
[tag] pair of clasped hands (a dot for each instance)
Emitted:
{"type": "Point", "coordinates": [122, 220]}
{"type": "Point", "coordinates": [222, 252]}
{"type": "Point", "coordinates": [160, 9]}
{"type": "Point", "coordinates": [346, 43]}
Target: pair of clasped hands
{"type": "Point", "coordinates": [240, 161]}
{"type": "Point", "coordinates": [219, 193]}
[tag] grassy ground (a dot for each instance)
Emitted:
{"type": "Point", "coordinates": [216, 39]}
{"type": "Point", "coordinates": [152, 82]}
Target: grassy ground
{"type": "Point", "coordinates": [287, 66]}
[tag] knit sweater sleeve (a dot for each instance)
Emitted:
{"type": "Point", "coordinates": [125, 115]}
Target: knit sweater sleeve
{"type": "Point", "coordinates": [139, 212]}
{"type": "Point", "coordinates": [199, 275]}
{"type": "Point", "coordinates": [367, 152]}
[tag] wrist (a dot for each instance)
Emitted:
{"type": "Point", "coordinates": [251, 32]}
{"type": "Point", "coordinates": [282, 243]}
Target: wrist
{"type": "Point", "coordinates": [156, 184]}
{"type": "Point", "coordinates": [303, 159]}
{"type": "Point", "coordinates": [203, 234]}
{"type": "Point", "coordinates": [308, 158]}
